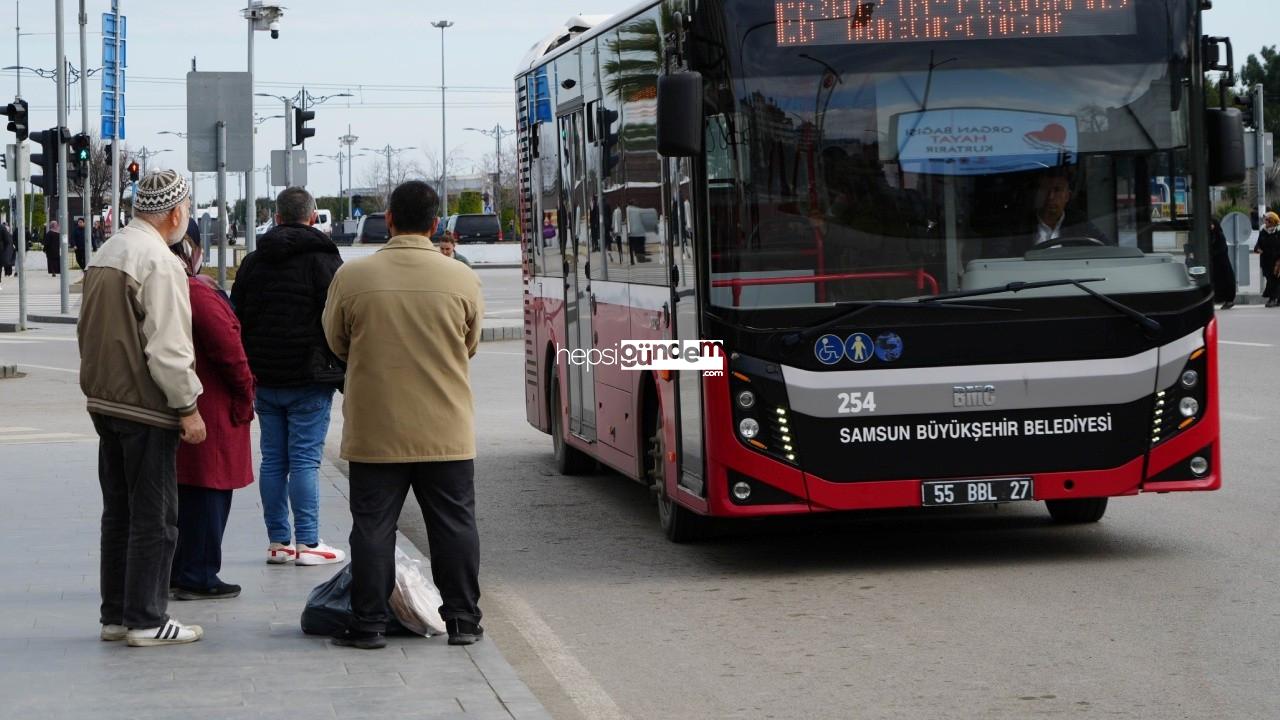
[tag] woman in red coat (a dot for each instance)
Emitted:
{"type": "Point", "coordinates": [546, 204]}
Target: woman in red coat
{"type": "Point", "coordinates": [210, 471]}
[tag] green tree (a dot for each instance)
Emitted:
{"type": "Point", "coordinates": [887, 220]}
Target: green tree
{"type": "Point", "coordinates": [1264, 69]}
{"type": "Point", "coordinates": [468, 202]}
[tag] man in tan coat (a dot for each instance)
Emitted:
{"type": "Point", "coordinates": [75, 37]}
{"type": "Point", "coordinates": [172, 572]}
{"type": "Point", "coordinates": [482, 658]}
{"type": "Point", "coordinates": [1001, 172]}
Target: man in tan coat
{"type": "Point", "coordinates": [407, 321]}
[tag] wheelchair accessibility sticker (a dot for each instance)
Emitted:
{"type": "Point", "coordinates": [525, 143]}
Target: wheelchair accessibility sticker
{"type": "Point", "coordinates": [829, 349]}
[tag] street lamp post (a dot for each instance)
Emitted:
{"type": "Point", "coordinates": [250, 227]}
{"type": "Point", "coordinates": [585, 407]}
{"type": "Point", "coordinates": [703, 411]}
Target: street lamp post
{"type": "Point", "coordinates": [349, 140]}
{"type": "Point", "coordinates": [497, 133]}
{"type": "Point", "coordinates": [261, 17]}
{"type": "Point", "coordinates": [444, 137]}
{"type": "Point", "coordinates": [388, 151]}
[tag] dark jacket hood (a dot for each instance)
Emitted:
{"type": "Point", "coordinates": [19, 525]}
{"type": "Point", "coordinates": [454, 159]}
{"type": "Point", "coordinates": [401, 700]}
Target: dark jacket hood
{"type": "Point", "coordinates": [285, 241]}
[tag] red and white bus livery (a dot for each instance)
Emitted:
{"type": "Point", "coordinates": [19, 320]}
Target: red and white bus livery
{"type": "Point", "coordinates": [920, 233]}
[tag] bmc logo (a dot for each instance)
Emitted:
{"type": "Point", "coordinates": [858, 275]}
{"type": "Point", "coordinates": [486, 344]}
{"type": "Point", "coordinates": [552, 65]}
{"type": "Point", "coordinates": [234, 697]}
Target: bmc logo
{"type": "Point", "coordinates": [973, 395]}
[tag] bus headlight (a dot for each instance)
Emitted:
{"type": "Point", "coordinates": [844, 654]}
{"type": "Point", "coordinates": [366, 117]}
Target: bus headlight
{"type": "Point", "coordinates": [749, 428]}
{"type": "Point", "coordinates": [1199, 465]}
{"type": "Point", "coordinates": [1190, 378]}
{"type": "Point", "coordinates": [1188, 406]}
{"type": "Point", "coordinates": [746, 399]}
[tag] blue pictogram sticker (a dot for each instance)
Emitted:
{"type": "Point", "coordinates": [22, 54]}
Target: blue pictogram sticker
{"type": "Point", "coordinates": [829, 349]}
{"type": "Point", "coordinates": [888, 347]}
{"type": "Point", "coordinates": [859, 348]}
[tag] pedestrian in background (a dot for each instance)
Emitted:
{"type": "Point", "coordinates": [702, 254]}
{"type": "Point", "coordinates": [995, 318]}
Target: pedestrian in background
{"type": "Point", "coordinates": [8, 252]}
{"type": "Point", "coordinates": [1268, 246]}
{"type": "Point", "coordinates": [407, 321]}
{"type": "Point", "coordinates": [279, 295]}
{"type": "Point", "coordinates": [137, 370]}
{"type": "Point", "coordinates": [1220, 270]}
{"type": "Point", "coordinates": [210, 471]}
{"type": "Point", "coordinates": [53, 249]}
{"type": "Point", "coordinates": [78, 239]}
{"type": "Point", "coordinates": [449, 248]}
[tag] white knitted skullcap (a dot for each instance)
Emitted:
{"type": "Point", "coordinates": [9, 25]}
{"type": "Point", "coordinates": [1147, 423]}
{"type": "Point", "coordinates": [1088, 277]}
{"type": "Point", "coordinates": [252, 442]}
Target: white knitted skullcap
{"type": "Point", "coordinates": [160, 191]}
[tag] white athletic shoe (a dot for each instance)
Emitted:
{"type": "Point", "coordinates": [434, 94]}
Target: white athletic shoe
{"type": "Point", "coordinates": [112, 633]}
{"type": "Point", "coordinates": [280, 553]}
{"type": "Point", "coordinates": [320, 554]}
{"type": "Point", "coordinates": [171, 633]}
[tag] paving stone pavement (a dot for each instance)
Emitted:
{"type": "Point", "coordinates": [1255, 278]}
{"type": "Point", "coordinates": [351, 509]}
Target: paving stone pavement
{"type": "Point", "coordinates": [254, 661]}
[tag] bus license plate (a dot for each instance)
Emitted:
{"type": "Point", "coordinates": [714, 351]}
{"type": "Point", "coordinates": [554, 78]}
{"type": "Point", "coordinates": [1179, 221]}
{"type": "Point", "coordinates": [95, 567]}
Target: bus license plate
{"type": "Point", "coordinates": [975, 492]}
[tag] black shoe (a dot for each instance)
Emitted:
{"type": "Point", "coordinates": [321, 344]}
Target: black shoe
{"type": "Point", "coordinates": [221, 591]}
{"type": "Point", "coordinates": [361, 640]}
{"type": "Point", "coordinates": [462, 632]}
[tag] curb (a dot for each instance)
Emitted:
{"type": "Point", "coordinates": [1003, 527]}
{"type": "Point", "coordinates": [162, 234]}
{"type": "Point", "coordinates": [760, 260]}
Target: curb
{"type": "Point", "coordinates": [497, 334]}
{"type": "Point", "coordinates": [54, 319]}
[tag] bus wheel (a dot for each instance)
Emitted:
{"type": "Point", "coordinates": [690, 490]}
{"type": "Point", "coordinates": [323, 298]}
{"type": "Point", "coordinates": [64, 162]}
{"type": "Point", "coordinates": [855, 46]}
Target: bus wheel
{"type": "Point", "coordinates": [1074, 512]}
{"type": "Point", "coordinates": [679, 524]}
{"type": "Point", "coordinates": [569, 459]}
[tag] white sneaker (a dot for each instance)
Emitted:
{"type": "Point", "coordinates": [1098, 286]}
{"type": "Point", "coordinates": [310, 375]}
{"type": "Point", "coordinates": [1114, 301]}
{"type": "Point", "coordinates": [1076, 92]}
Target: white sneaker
{"type": "Point", "coordinates": [112, 633]}
{"type": "Point", "coordinates": [319, 554]}
{"type": "Point", "coordinates": [171, 633]}
{"type": "Point", "coordinates": [280, 553]}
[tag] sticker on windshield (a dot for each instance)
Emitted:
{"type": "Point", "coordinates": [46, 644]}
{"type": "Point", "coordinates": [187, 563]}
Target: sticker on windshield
{"type": "Point", "coordinates": [829, 349]}
{"type": "Point", "coordinates": [858, 347]}
{"type": "Point", "coordinates": [888, 347]}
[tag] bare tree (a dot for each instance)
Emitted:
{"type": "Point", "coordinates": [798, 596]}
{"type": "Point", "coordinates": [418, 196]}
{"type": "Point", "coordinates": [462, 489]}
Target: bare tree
{"type": "Point", "coordinates": [375, 174]}
{"type": "Point", "coordinates": [504, 165]}
{"type": "Point", "coordinates": [457, 159]}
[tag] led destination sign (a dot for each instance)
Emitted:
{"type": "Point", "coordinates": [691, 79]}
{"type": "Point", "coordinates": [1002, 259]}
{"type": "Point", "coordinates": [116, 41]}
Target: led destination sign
{"type": "Point", "coordinates": [841, 22]}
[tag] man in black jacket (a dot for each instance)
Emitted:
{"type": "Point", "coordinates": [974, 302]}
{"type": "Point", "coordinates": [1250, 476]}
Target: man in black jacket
{"type": "Point", "coordinates": [279, 296]}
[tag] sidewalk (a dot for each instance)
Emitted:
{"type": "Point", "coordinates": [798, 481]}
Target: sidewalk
{"type": "Point", "coordinates": [254, 661]}
{"type": "Point", "coordinates": [44, 304]}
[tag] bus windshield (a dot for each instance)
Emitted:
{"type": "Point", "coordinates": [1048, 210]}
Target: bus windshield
{"type": "Point", "coordinates": [850, 163]}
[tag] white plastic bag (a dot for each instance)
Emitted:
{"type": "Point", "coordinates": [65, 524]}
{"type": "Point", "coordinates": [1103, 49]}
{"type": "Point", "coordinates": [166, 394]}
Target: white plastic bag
{"type": "Point", "coordinates": [415, 599]}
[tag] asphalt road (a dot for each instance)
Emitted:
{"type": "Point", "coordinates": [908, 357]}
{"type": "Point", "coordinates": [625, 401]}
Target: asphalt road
{"type": "Point", "coordinates": [1166, 609]}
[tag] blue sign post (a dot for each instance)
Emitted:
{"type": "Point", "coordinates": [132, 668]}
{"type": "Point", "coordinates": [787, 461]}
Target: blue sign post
{"type": "Point", "coordinates": [114, 61]}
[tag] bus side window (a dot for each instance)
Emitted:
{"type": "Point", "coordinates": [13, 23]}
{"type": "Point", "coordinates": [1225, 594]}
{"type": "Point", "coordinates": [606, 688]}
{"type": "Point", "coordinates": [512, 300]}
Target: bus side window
{"type": "Point", "coordinates": [640, 48]}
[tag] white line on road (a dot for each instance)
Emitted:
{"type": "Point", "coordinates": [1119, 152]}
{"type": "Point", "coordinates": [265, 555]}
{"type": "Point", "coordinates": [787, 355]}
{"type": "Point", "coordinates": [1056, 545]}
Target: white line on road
{"type": "Point", "coordinates": [499, 352]}
{"type": "Point", "coordinates": [46, 367]}
{"type": "Point", "coordinates": [1245, 344]}
{"type": "Point", "coordinates": [41, 438]}
{"type": "Point", "coordinates": [581, 687]}
{"type": "Point", "coordinates": [1240, 416]}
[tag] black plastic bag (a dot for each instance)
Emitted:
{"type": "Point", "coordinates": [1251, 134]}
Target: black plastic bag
{"type": "Point", "coordinates": [328, 610]}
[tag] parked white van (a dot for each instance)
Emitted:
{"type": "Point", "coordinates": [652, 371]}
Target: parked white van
{"type": "Point", "coordinates": [324, 221]}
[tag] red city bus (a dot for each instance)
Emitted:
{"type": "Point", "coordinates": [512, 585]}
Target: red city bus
{"type": "Point", "coordinates": [924, 242]}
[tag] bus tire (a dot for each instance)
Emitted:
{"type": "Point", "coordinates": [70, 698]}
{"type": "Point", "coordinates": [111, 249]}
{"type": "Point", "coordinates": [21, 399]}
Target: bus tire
{"type": "Point", "coordinates": [1075, 512]}
{"type": "Point", "coordinates": [679, 524]}
{"type": "Point", "coordinates": [569, 459]}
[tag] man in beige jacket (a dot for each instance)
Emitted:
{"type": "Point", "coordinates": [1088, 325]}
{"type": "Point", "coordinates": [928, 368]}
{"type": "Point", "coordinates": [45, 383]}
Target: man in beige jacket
{"type": "Point", "coordinates": [407, 321]}
{"type": "Point", "coordinates": [138, 371]}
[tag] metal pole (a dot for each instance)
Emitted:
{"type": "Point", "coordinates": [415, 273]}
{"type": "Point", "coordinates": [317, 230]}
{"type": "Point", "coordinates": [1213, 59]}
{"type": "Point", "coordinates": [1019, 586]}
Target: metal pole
{"type": "Point", "coordinates": [63, 230]}
{"type": "Point", "coordinates": [87, 201]}
{"type": "Point", "coordinates": [444, 137]}
{"type": "Point", "coordinates": [1260, 144]}
{"type": "Point", "coordinates": [288, 142]}
{"type": "Point", "coordinates": [497, 170]}
{"type": "Point", "coordinates": [222, 201]}
{"type": "Point", "coordinates": [17, 36]}
{"type": "Point", "coordinates": [250, 199]}
{"type": "Point", "coordinates": [115, 144]}
{"type": "Point", "coordinates": [388, 150]}
{"type": "Point", "coordinates": [23, 175]}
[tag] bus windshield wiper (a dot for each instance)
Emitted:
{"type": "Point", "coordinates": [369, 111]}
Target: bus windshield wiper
{"type": "Point", "coordinates": [1150, 324]}
{"type": "Point", "coordinates": [795, 338]}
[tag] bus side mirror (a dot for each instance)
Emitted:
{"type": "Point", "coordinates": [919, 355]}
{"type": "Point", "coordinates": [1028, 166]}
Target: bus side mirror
{"type": "Point", "coordinates": [680, 115]}
{"type": "Point", "coordinates": [1224, 130]}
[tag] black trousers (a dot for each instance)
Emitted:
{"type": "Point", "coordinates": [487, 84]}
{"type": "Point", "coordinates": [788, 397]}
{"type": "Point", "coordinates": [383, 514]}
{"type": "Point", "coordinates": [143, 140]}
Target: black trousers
{"type": "Point", "coordinates": [202, 520]}
{"type": "Point", "coordinates": [446, 492]}
{"type": "Point", "coordinates": [137, 469]}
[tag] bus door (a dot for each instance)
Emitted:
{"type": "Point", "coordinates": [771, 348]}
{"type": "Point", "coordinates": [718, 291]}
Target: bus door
{"type": "Point", "coordinates": [574, 221]}
{"type": "Point", "coordinates": [681, 222]}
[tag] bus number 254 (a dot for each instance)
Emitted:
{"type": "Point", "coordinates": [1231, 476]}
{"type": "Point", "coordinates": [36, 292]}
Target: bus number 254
{"type": "Point", "coordinates": [852, 403]}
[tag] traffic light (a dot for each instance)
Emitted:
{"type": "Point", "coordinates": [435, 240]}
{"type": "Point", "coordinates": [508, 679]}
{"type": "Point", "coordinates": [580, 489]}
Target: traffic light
{"type": "Point", "coordinates": [47, 159]}
{"type": "Point", "coordinates": [80, 152]}
{"type": "Point", "coordinates": [17, 113]}
{"type": "Point", "coordinates": [1245, 103]}
{"type": "Point", "coordinates": [107, 149]}
{"type": "Point", "coordinates": [300, 130]}
{"type": "Point", "coordinates": [357, 201]}
{"type": "Point", "coordinates": [134, 171]}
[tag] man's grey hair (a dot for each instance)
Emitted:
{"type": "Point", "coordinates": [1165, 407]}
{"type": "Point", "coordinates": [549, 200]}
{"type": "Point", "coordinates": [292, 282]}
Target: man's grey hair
{"type": "Point", "coordinates": [295, 205]}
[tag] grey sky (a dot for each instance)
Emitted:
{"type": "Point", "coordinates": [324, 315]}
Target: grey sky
{"type": "Point", "coordinates": [383, 51]}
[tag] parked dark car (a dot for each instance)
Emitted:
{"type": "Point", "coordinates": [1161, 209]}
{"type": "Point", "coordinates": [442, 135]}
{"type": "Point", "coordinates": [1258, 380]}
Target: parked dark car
{"type": "Point", "coordinates": [474, 229]}
{"type": "Point", "coordinates": [372, 230]}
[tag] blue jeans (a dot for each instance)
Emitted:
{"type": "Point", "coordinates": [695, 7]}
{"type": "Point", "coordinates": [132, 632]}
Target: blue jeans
{"type": "Point", "coordinates": [294, 422]}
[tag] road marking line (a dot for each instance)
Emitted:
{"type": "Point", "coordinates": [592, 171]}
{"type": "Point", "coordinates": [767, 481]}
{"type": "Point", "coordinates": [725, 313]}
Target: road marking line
{"type": "Point", "coordinates": [46, 367]}
{"type": "Point", "coordinates": [41, 437]}
{"type": "Point", "coordinates": [18, 429]}
{"type": "Point", "coordinates": [499, 352]}
{"type": "Point", "coordinates": [1240, 416]}
{"type": "Point", "coordinates": [576, 680]}
{"type": "Point", "coordinates": [1245, 344]}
